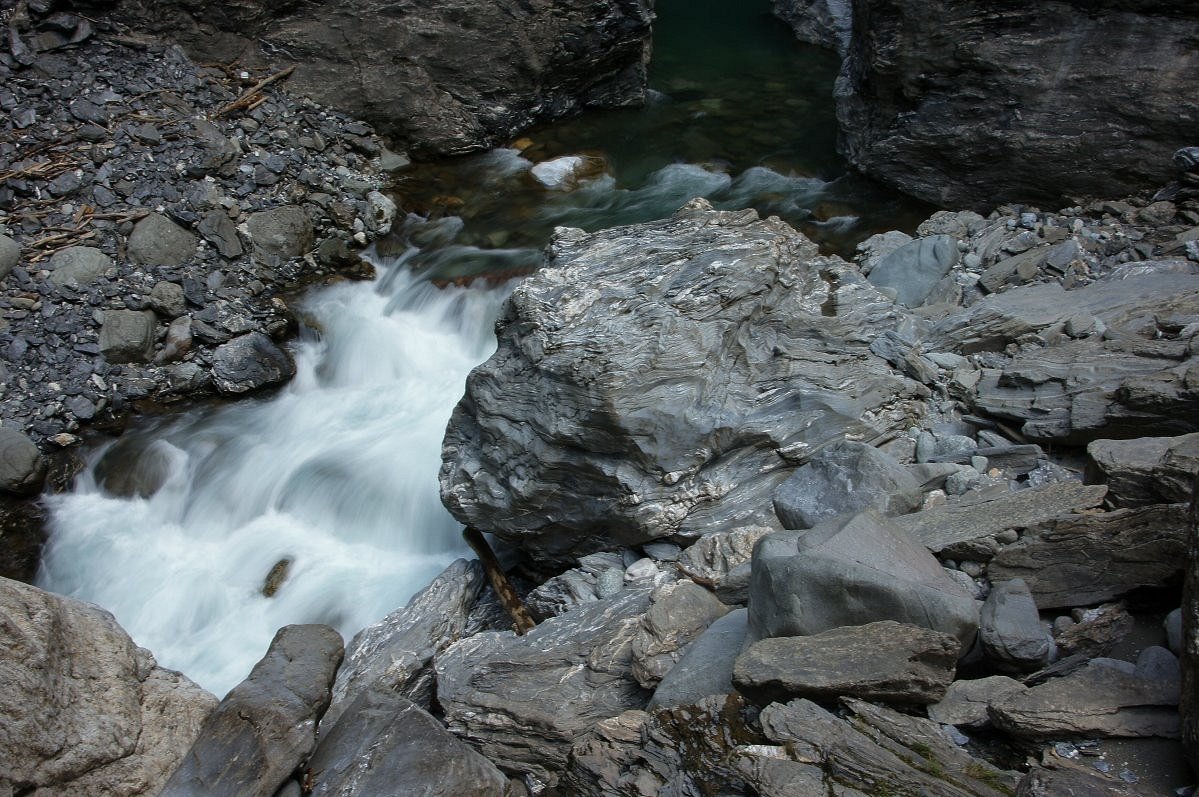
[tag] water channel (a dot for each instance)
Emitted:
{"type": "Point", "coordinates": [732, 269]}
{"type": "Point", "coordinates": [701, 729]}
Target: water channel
{"type": "Point", "coordinates": [325, 493]}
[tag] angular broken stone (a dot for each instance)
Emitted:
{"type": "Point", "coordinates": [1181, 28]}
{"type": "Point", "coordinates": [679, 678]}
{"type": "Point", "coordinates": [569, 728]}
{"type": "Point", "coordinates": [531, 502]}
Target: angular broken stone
{"type": "Point", "coordinates": [1146, 470]}
{"type": "Point", "coordinates": [127, 336]}
{"type": "Point", "coordinates": [678, 613]}
{"type": "Point", "coordinates": [250, 362]}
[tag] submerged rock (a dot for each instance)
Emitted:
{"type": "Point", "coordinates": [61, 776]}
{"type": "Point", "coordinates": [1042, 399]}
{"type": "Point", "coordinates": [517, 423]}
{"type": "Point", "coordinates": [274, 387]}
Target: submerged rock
{"type": "Point", "coordinates": [648, 378]}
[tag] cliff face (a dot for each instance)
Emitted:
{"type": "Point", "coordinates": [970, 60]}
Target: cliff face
{"type": "Point", "coordinates": [440, 76]}
{"type": "Point", "coordinates": [976, 103]}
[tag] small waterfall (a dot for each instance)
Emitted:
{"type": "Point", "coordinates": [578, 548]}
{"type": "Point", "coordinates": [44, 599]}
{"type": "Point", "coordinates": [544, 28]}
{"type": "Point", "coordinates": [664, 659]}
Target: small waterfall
{"type": "Point", "coordinates": [329, 486]}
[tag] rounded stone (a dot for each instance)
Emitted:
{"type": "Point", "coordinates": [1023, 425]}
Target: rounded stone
{"type": "Point", "coordinates": [22, 466]}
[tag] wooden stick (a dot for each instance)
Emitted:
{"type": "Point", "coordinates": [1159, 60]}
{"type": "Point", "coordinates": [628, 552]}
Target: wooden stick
{"type": "Point", "coordinates": [522, 621]}
{"type": "Point", "coordinates": [246, 96]}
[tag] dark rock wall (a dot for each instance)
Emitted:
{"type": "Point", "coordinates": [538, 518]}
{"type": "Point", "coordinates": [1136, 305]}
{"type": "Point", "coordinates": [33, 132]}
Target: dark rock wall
{"type": "Point", "coordinates": [978, 103]}
{"type": "Point", "coordinates": [439, 76]}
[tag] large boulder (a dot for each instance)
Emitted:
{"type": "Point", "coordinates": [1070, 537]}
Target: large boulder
{"type": "Point", "coordinates": [522, 701]}
{"type": "Point", "coordinates": [22, 466]}
{"type": "Point", "coordinates": [1146, 470]}
{"type": "Point", "coordinates": [471, 73]}
{"type": "Point", "coordinates": [85, 710]}
{"type": "Point", "coordinates": [652, 380]}
{"type": "Point", "coordinates": [975, 109]}
{"type": "Point", "coordinates": [266, 727]}
{"type": "Point", "coordinates": [1010, 631]}
{"type": "Point", "coordinates": [250, 362]}
{"type": "Point", "coordinates": [800, 579]}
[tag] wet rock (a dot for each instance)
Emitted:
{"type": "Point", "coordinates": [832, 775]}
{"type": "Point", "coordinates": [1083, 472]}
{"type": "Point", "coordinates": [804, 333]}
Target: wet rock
{"type": "Point", "coordinates": [81, 265]}
{"type": "Point", "coordinates": [678, 613]}
{"type": "Point", "coordinates": [280, 234]}
{"type": "Point", "coordinates": [385, 744]}
{"type": "Point", "coordinates": [266, 727]}
{"type": "Point", "coordinates": [970, 519]}
{"type": "Point", "coordinates": [909, 112]}
{"type": "Point", "coordinates": [127, 336]}
{"type": "Point", "coordinates": [396, 653]}
{"type": "Point", "coordinates": [799, 576]}
{"type": "Point", "coordinates": [706, 667]}
{"type": "Point", "coordinates": [827, 23]}
{"type": "Point", "coordinates": [914, 269]}
{"type": "Point", "coordinates": [885, 661]}
{"type": "Point", "coordinates": [1147, 470]}
{"type": "Point", "coordinates": [1010, 631]}
{"type": "Point", "coordinates": [721, 561]}
{"type": "Point", "coordinates": [218, 230]}
{"type": "Point", "coordinates": [965, 702]}
{"type": "Point", "coordinates": [10, 255]}
{"type": "Point", "coordinates": [178, 341]}
{"type": "Point", "coordinates": [166, 298]}
{"type": "Point", "coordinates": [1086, 559]}
{"type": "Point", "coordinates": [86, 711]}
{"type": "Point", "coordinates": [456, 88]}
{"type": "Point", "coordinates": [633, 344]}
{"type": "Point", "coordinates": [843, 478]}
{"type": "Point", "coordinates": [1097, 700]}
{"type": "Point", "coordinates": [250, 362]}
{"type": "Point", "coordinates": [158, 241]}
{"type": "Point", "coordinates": [560, 174]}
{"type": "Point", "coordinates": [523, 701]}
{"type": "Point", "coordinates": [22, 466]}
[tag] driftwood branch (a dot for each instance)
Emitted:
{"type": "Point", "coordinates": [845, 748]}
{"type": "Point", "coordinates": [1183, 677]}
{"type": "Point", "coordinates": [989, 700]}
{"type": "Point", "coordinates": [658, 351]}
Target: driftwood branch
{"type": "Point", "coordinates": [250, 95]}
{"type": "Point", "coordinates": [522, 621]}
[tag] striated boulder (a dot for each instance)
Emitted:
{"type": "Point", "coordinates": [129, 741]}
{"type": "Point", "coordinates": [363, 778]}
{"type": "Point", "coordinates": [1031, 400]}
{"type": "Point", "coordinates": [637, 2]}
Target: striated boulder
{"type": "Point", "coordinates": [678, 613]}
{"type": "Point", "coordinates": [827, 23]}
{"type": "Point", "coordinates": [85, 710]}
{"type": "Point", "coordinates": [721, 561]}
{"type": "Point", "coordinates": [1147, 470]}
{"type": "Point", "coordinates": [250, 362]}
{"type": "Point", "coordinates": [648, 379]}
{"type": "Point", "coordinates": [396, 653]}
{"type": "Point", "coordinates": [266, 726]}
{"type": "Point", "coordinates": [523, 701]}
{"type": "Point", "coordinates": [471, 73]}
{"type": "Point", "coordinates": [1013, 102]}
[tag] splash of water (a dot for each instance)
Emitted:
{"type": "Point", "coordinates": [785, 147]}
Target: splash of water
{"type": "Point", "coordinates": [336, 473]}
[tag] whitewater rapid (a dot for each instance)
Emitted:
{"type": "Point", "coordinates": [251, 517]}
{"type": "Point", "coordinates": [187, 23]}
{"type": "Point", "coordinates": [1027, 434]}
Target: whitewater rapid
{"type": "Point", "coordinates": [337, 473]}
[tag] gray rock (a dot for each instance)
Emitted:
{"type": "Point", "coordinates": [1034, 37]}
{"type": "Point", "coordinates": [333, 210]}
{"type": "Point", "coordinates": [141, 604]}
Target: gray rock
{"type": "Point", "coordinates": [10, 255]}
{"type": "Point", "coordinates": [827, 23]}
{"type": "Point", "coordinates": [250, 362]}
{"type": "Point", "coordinates": [598, 576]}
{"type": "Point", "coordinates": [22, 466]}
{"type": "Point", "coordinates": [1056, 776]}
{"type": "Point", "coordinates": [523, 701]}
{"type": "Point", "coordinates": [167, 299]}
{"type": "Point", "coordinates": [878, 246]}
{"type": "Point", "coordinates": [1173, 626]}
{"type": "Point", "coordinates": [1147, 470]}
{"type": "Point", "coordinates": [266, 726]}
{"type": "Point", "coordinates": [678, 613]}
{"type": "Point", "coordinates": [885, 661]}
{"type": "Point", "coordinates": [676, 434]}
{"type": "Point", "coordinates": [458, 87]}
{"type": "Point", "coordinates": [1096, 631]}
{"type": "Point", "coordinates": [1157, 663]}
{"type": "Point", "coordinates": [81, 265]}
{"type": "Point", "coordinates": [218, 229]}
{"type": "Point", "coordinates": [942, 527]}
{"type": "Point", "coordinates": [1096, 700]}
{"type": "Point", "coordinates": [910, 116]}
{"type": "Point", "coordinates": [706, 667]}
{"type": "Point", "coordinates": [85, 710]}
{"type": "Point", "coordinates": [914, 269]}
{"type": "Point", "coordinates": [178, 341]}
{"type": "Point", "coordinates": [280, 234]}
{"type": "Point", "coordinates": [845, 477]}
{"type": "Point", "coordinates": [965, 702]}
{"type": "Point", "coordinates": [396, 654]}
{"type": "Point", "coordinates": [158, 241]}
{"type": "Point", "coordinates": [720, 560]}
{"type": "Point", "coordinates": [385, 744]}
{"type": "Point", "coordinates": [127, 336]}
{"type": "Point", "coordinates": [799, 576]}
{"type": "Point", "coordinates": [1010, 630]}
{"type": "Point", "coordinates": [1080, 560]}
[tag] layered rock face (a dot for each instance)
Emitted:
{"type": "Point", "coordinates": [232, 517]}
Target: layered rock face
{"type": "Point", "coordinates": [652, 381]}
{"type": "Point", "coordinates": [1019, 101]}
{"type": "Point", "coordinates": [441, 77]}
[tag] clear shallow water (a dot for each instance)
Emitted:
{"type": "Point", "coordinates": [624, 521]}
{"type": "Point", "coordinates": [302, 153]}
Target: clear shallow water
{"type": "Point", "coordinates": [337, 472]}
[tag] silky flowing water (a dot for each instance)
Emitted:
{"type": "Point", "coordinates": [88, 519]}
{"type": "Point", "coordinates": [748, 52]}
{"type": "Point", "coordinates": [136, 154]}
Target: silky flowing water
{"type": "Point", "coordinates": [324, 494]}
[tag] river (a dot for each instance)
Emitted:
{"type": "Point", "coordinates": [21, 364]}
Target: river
{"type": "Point", "coordinates": [324, 494]}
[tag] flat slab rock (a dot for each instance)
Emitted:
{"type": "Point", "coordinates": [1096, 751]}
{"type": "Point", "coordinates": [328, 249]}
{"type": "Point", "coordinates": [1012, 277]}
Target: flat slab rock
{"type": "Point", "coordinates": [523, 701]}
{"type": "Point", "coordinates": [885, 661]}
{"type": "Point", "coordinates": [647, 377]}
{"type": "Point", "coordinates": [1081, 560]}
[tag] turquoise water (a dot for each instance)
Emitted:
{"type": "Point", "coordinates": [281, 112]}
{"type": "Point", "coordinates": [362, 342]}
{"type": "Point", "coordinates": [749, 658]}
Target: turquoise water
{"type": "Point", "coordinates": [739, 112]}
